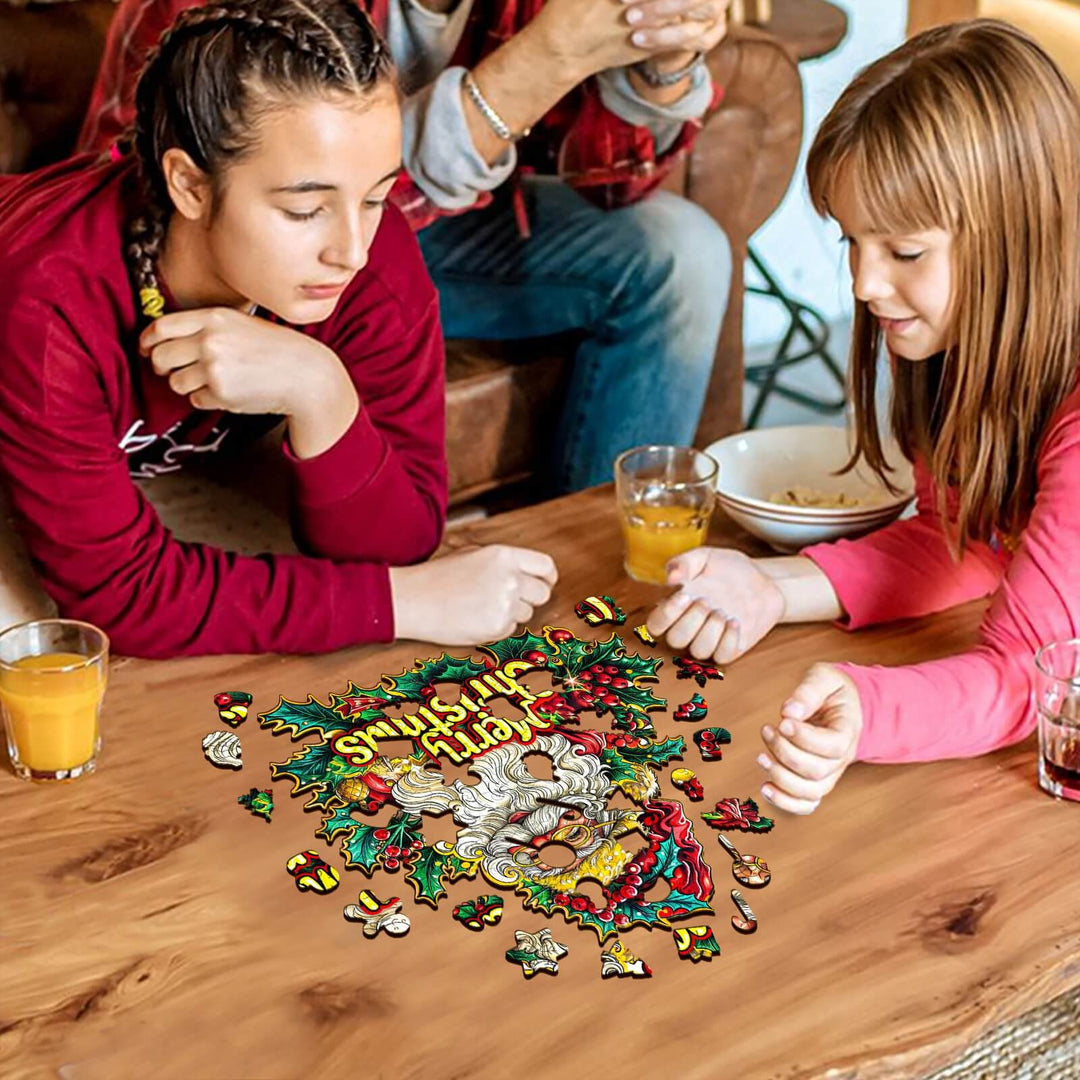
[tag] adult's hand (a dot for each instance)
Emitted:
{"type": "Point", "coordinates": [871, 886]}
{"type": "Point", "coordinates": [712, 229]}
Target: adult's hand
{"type": "Point", "coordinates": [673, 31]}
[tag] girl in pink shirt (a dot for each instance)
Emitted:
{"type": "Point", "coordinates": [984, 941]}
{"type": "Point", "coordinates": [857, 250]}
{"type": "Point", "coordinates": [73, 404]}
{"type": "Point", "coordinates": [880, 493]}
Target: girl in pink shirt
{"type": "Point", "coordinates": [952, 166]}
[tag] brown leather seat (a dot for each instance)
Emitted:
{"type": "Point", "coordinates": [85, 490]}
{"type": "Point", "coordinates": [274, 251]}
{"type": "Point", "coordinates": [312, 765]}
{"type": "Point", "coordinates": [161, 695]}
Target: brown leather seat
{"type": "Point", "coordinates": [502, 399]}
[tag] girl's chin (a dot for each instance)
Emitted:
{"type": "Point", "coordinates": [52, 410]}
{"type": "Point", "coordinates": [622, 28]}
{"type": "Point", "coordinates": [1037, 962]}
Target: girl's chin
{"type": "Point", "coordinates": [914, 351]}
{"type": "Point", "coordinates": [302, 312]}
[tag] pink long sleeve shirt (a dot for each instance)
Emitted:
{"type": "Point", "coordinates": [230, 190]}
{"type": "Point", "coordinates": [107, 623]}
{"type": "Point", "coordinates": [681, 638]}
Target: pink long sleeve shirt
{"type": "Point", "coordinates": [981, 700]}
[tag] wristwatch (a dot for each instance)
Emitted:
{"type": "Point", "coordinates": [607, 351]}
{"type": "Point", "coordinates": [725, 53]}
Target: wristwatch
{"type": "Point", "coordinates": [667, 78]}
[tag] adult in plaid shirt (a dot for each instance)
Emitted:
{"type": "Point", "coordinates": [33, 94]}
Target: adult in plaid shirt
{"type": "Point", "coordinates": [536, 133]}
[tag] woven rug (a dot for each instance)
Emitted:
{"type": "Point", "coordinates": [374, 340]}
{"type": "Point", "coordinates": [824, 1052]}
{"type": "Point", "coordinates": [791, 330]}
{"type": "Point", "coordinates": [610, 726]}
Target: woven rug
{"type": "Point", "coordinates": [1044, 1044]}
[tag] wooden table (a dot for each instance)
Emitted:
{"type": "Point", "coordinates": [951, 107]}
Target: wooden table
{"type": "Point", "coordinates": [148, 927]}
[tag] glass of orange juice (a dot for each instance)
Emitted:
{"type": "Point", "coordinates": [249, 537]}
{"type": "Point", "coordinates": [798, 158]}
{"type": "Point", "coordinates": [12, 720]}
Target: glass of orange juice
{"type": "Point", "coordinates": [666, 496]}
{"type": "Point", "coordinates": [52, 679]}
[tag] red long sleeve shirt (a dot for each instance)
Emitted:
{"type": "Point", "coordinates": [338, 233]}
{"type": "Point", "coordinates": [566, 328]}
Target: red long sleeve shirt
{"type": "Point", "coordinates": [81, 412]}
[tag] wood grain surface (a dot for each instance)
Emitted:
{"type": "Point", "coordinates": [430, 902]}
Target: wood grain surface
{"type": "Point", "coordinates": [148, 927]}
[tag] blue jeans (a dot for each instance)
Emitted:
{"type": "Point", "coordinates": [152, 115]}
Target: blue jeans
{"type": "Point", "coordinates": [647, 285]}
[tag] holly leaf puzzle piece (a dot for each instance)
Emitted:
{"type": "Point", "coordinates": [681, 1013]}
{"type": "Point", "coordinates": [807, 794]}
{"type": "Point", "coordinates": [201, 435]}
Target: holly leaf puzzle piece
{"type": "Point", "coordinates": [300, 718]}
{"type": "Point", "coordinates": [309, 769]}
{"type": "Point", "coordinates": [432, 866]}
{"type": "Point", "coordinates": [411, 683]}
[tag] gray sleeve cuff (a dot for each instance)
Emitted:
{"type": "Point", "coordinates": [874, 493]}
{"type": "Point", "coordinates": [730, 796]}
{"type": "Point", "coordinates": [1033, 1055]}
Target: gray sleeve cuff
{"type": "Point", "coordinates": [438, 148]}
{"type": "Point", "coordinates": [664, 121]}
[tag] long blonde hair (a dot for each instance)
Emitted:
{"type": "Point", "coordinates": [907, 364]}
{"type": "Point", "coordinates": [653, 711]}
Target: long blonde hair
{"type": "Point", "coordinates": [970, 128]}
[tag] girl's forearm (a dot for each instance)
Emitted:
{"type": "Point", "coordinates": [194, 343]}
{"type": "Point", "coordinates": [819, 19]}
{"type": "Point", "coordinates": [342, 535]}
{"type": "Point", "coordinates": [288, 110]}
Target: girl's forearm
{"type": "Point", "coordinates": [325, 409]}
{"type": "Point", "coordinates": [808, 593]}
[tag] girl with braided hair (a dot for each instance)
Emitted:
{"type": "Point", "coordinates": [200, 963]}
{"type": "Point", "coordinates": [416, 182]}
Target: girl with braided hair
{"type": "Point", "coordinates": [240, 266]}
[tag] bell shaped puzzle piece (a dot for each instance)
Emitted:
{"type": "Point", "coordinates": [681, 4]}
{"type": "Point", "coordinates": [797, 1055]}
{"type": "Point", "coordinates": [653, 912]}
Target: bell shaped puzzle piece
{"type": "Point", "coordinates": [644, 636]}
{"type": "Point", "coordinates": [696, 943]}
{"type": "Point", "coordinates": [685, 780]}
{"type": "Point", "coordinates": [736, 814]}
{"type": "Point", "coordinates": [620, 962]}
{"type": "Point", "coordinates": [377, 914]}
{"type": "Point", "coordinates": [258, 802]}
{"type": "Point", "coordinates": [599, 609]}
{"type": "Point", "coordinates": [536, 952]}
{"type": "Point", "coordinates": [481, 912]}
{"type": "Point", "coordinates": [709, 740]}
{"type": "Point", "coordinates": [232, 706]}
{"type": "Point", "coordinates": [311, 871]}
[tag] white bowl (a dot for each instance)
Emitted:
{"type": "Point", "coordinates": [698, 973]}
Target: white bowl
{"type": "Point", "coordinates": [755, 464]}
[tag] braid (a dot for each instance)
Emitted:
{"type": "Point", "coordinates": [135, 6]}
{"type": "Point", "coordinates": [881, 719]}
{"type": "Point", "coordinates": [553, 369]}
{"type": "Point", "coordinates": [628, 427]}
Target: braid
{"type": "Point", "coordinates": [197, 92]}
{"type": "Point", "coordinates": [146, 234]}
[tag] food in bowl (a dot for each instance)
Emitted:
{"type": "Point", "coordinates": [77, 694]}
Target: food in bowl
{"type": "Point", "coordinates": [756, 465]}
{"type": "Point", "coordinates": [800, 495]}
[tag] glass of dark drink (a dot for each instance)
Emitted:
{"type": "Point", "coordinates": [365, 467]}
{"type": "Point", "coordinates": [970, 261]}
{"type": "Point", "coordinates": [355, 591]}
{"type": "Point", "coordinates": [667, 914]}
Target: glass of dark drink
{"type": "Point", "coordinates": [1057, 698]}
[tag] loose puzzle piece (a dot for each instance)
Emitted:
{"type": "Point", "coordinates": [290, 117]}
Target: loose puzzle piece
{"type": "Point", "coordinates": [508, 815]}
{"type": "Point", "coordinates": [377, 914]}
{"type": "Point", "coordinates": [736, 814]}
{"type": "Point", "coordinates": [258, 802]}
{"type": "Point", "coordinates": [313, 872]}
{"type": "Point", "coordinates": [709, 741]}
{"type": "Point", "coordinates": [619, 961]}
{"type": "Point", "coordinates": [643, 634]}
{"type": "Point", "coordinates": [481, 912]}
{"type": "Point", "coordinates": [599, 609]}
{"type": "Point", "coordinates": [536, 952]}
{"type": "Point", "coordinates": [222, 748]}
{"type": "Point", "coordinates": [686, 781]}
{"type": "Point", "coordinates": [748, 870]}
{"type": "Point", "coordinates": [693, 710]}
{"type": "Point", "coordinates": [746, 921]}
{"type": "Point", "coordinates": [689, 668]}
{"type": "Point", "coordinates": [696, 943]}
{"type": "Point", "coordinates": [233, 706]}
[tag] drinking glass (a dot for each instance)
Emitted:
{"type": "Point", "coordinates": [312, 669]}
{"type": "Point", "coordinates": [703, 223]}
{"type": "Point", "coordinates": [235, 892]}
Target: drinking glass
{"type": "Point", "coordinates": [1057, 698]}
{"type": "Point", "coordinates": [666, 496]}
{"type": "Point", "coordinates": [52, 680]}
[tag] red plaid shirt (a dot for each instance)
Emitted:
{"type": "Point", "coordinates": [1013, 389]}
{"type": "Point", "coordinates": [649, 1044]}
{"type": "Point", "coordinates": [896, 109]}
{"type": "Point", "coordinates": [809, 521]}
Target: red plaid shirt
{"type": "Point", "coordinates": [610, 161]}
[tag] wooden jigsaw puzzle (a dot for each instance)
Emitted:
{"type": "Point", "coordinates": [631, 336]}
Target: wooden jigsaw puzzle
{"type": "Point", "coordinates": [507, 816]}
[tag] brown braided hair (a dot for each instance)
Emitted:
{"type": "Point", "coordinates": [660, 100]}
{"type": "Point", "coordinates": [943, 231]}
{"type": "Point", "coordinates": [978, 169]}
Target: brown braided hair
{"type": "Point", "coordinates": [202, 88]}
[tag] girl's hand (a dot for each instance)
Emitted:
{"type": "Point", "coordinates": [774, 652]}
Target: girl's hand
{"type": "Point", "coordinates": [219, 358]}
{"type": "Point", "coordinates": [223, 359]}
{"type": "Point", "coordinates": [724, 607]}
{"type": "Point", "coordinates": [820, 725]}
{"type": "Point", "coordinates": [471, 596]}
